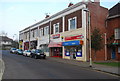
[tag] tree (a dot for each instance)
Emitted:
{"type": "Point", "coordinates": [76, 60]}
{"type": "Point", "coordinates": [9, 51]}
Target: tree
{"type": "Point", "coordinates": [96, 41]}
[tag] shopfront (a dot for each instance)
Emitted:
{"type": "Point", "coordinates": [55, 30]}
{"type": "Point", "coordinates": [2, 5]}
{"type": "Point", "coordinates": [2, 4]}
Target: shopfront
{"type": "Point", "coordinates": [55, 46]}
{"type": "Point", "coordinates": [33, 44]}
{"type": "Point", "coordinates": [26, 45]}
{"type": "Point", "coordinates": [73, 49]}
{"type": "Point", "coordinates": [21, 44]}
{"type": "Point", "coordinates": [55, 49]}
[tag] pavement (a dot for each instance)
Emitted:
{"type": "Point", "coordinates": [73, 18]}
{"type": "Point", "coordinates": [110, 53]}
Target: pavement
{"type": "Point", "coordinates": [1, 66]}
{"type": "Point", "coordinates": [98, 67]}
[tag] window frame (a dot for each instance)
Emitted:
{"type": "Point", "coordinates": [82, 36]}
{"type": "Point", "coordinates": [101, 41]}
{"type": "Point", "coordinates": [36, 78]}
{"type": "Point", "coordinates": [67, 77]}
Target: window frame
{"type": "Point", "coordinates": [54, 25]}
{"type": "Point", "coordinates": [41, 32]}
{"type": "Point", "coordinates": [46, 30]}
{"type": "Point", "coordinates": [69, 28]}
{"type": "Point", "coordinates": [117, 33]}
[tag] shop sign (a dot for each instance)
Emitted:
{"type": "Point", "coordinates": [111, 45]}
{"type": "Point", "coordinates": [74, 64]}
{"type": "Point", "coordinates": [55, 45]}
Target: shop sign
{"type": "Point", "coordinates": [20, 42]}
{"type": "Point", "coordinates": [74, 37]}
{"type": "Point", "coordinates": [71, 43]}
{"type": "Point", "coordinates": [56, 36]}
{"type": "Point", "coordinates": [79, 54]}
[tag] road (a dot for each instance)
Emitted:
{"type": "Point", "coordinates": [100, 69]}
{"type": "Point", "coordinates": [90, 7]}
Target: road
{"type": "Point", "coordinates": [20, 67]}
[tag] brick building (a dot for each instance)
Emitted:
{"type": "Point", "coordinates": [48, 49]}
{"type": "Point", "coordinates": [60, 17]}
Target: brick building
{"type": "Point", "coordinates": [65, 33]}
{"type": "Point", "coordinates": [113, 32]}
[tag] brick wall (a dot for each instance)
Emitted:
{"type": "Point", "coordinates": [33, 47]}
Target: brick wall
{"type": "Point", "coordinates": [98, 17]}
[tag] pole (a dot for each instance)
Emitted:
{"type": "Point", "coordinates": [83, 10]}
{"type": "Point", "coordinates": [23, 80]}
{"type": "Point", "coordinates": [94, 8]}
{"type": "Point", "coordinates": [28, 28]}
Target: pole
{"type": "Point", "coordinates": [29, 40]}
{"type": "Point", "coordinates": [89, 38]}
{"type": "Point", "coordinates": [105, 47]}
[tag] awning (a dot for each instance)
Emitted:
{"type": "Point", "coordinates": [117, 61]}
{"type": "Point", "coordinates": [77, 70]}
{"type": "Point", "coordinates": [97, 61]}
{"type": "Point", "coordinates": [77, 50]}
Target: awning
{"type": "Point", "coordinates": [55, 44]}
{"type": "Point", "coordinates": [115, 42]}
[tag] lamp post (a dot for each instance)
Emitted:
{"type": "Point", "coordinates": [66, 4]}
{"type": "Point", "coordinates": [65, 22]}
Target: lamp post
{"type": "Point", "coordinates": [89, 31]}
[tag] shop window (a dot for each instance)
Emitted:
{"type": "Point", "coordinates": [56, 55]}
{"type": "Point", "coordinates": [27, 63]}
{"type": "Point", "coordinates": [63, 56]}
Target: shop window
{"type": "Point", "coordinates": [72, 23]}
{"type": "Point", "coordinates": [117, 33]}
{"type": "Point", "coordinates": [46, 30]}
{"type": "Point", "coordinates": [56, 28]}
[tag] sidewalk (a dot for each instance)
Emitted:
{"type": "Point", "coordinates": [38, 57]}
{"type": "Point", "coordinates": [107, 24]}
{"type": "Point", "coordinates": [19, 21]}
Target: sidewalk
{"type": "Point", "coordinates": [103, 68]}
{"type": "Point", "coordinates": [1, 68]}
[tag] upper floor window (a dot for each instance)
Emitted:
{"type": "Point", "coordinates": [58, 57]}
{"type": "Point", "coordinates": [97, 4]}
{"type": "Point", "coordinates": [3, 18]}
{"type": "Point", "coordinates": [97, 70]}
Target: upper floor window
{"type": "Point", "coordinates": [72, 23]}
{"type": "Point", "coordinates": [56, 28]}
{"type": "Point", "coordinates": [117, 33]}
{"type": "Point", "coordinates": [33, 33]}
{"type": "Point", "coordinates": [46, 30]}
{"type": "Point", "coordinates": [41, 32]}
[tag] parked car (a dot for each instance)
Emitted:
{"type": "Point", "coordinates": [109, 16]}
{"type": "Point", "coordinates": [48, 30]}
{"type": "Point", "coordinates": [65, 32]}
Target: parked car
{"type": "Point", "coordinates": [38, 54]}
{"type": "Point", "coordinates": [27, 53]}
{"type": "Point", "coordinates": [13, 50]}
{"type": "Point", "coordinates": [19, 52]}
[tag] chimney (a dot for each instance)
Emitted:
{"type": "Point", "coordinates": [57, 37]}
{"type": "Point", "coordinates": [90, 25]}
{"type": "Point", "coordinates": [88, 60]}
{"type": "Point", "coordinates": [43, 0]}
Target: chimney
{"type": "Point", "coordinates": [97, 2]}
{"type": "Point", "coordinates": [70, 4]}
{"type": "Point", "coordinates": [47, 15]}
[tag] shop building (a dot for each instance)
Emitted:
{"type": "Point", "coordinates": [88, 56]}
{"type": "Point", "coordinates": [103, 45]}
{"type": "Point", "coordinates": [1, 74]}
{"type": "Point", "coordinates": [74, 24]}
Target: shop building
{"type": "Point", "coordinates": [113, 33]}
{"type": "Point", "coordinates": [65, 33]}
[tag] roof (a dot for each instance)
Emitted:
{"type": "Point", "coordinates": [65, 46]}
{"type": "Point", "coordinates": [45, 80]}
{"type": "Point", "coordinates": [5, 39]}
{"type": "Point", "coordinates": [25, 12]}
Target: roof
{"type": "Point", "coordinates": [5, 38]}
{"type": "Point", "coordinates": [63, 11]}
{"type": "Point", "coordinates": [115, 10]}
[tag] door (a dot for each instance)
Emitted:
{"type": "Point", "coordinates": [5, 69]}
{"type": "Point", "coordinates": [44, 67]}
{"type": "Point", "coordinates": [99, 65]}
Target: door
{"type": "Point", "coordinates": [113, 56]}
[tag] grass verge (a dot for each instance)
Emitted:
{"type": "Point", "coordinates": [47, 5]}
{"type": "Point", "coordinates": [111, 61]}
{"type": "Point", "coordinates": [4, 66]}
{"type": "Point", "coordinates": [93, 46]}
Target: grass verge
{"type": "Point", "coordinates": [115, 64]}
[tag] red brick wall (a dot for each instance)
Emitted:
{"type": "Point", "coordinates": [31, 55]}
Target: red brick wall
{"type": "Point", "coordinates": [59, 20]}
{"type": "Point", "coordinates": [98, 17]}
{"type": "Point", "coordinates": [77, 14]}
{"type": "Point", "coordinates": [44, 25]}
{"type": "Point", "coordinates": [111, 25]}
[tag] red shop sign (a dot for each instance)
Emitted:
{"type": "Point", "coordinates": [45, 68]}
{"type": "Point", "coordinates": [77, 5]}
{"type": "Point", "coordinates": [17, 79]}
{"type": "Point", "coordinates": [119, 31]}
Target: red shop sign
{"type": "Point", "coordinates": [56, 36]}
{"type": "Point", "coordinates": [74, 37]}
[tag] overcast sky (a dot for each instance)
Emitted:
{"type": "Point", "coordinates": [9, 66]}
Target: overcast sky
{"type": "Point", "coordinates": [16, 15]}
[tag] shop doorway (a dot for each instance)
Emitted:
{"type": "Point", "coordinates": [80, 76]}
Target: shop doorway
{"type": "Point", "coordinates": [74, 50]}
{"type": "Point", "coordinates": [56, 52]}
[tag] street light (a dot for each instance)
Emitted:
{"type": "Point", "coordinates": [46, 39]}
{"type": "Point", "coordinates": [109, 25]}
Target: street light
{"type": "Point", "coordinates": [89, 36]}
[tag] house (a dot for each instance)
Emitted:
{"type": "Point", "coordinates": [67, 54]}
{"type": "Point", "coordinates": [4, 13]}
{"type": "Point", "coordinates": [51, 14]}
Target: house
{"type": "Point", "coordinates": [65, 34]}
{"type": "Point", "coordinates": [113, 32]}
{"type": "Point", "coordinates": [5, 42]}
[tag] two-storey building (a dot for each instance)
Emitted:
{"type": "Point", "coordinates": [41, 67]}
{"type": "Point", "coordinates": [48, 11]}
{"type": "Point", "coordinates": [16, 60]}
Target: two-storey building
{"type": "Point", "coordinates": [65, 34]}
{"type": "Point", "coordinates": [113, 32]}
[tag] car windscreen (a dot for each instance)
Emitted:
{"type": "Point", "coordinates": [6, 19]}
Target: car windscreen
{"type": "Point", "coordinates": [19, 50]}
{"type": "Point", "coordinates": [13, 48]}
{"type": "Point", "coordinates": [39, 51]}
{"type": "Point", "coordinates": [28, 51]}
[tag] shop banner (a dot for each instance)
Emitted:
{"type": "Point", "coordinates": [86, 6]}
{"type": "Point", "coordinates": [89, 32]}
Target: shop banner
{"type": "Point", "coordinates": [56, 36]}
{"type": "Point", "coordinates": [71, 43]}
{"type": "Point", "coordinates": [74, 37]}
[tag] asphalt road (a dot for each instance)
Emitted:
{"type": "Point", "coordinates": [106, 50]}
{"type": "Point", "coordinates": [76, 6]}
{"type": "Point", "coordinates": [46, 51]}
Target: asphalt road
{"type": "Point", "coordinates": [20, 67]}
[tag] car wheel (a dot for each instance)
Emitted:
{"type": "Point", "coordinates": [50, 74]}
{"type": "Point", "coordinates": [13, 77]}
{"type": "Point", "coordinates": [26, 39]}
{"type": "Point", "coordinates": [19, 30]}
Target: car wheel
{"type": "Point", "coordinates": [30, 56]}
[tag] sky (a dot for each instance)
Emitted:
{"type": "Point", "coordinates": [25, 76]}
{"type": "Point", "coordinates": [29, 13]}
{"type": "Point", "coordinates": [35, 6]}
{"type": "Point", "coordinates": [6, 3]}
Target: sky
{"type": "Point", "coordinates": [16, 15]}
